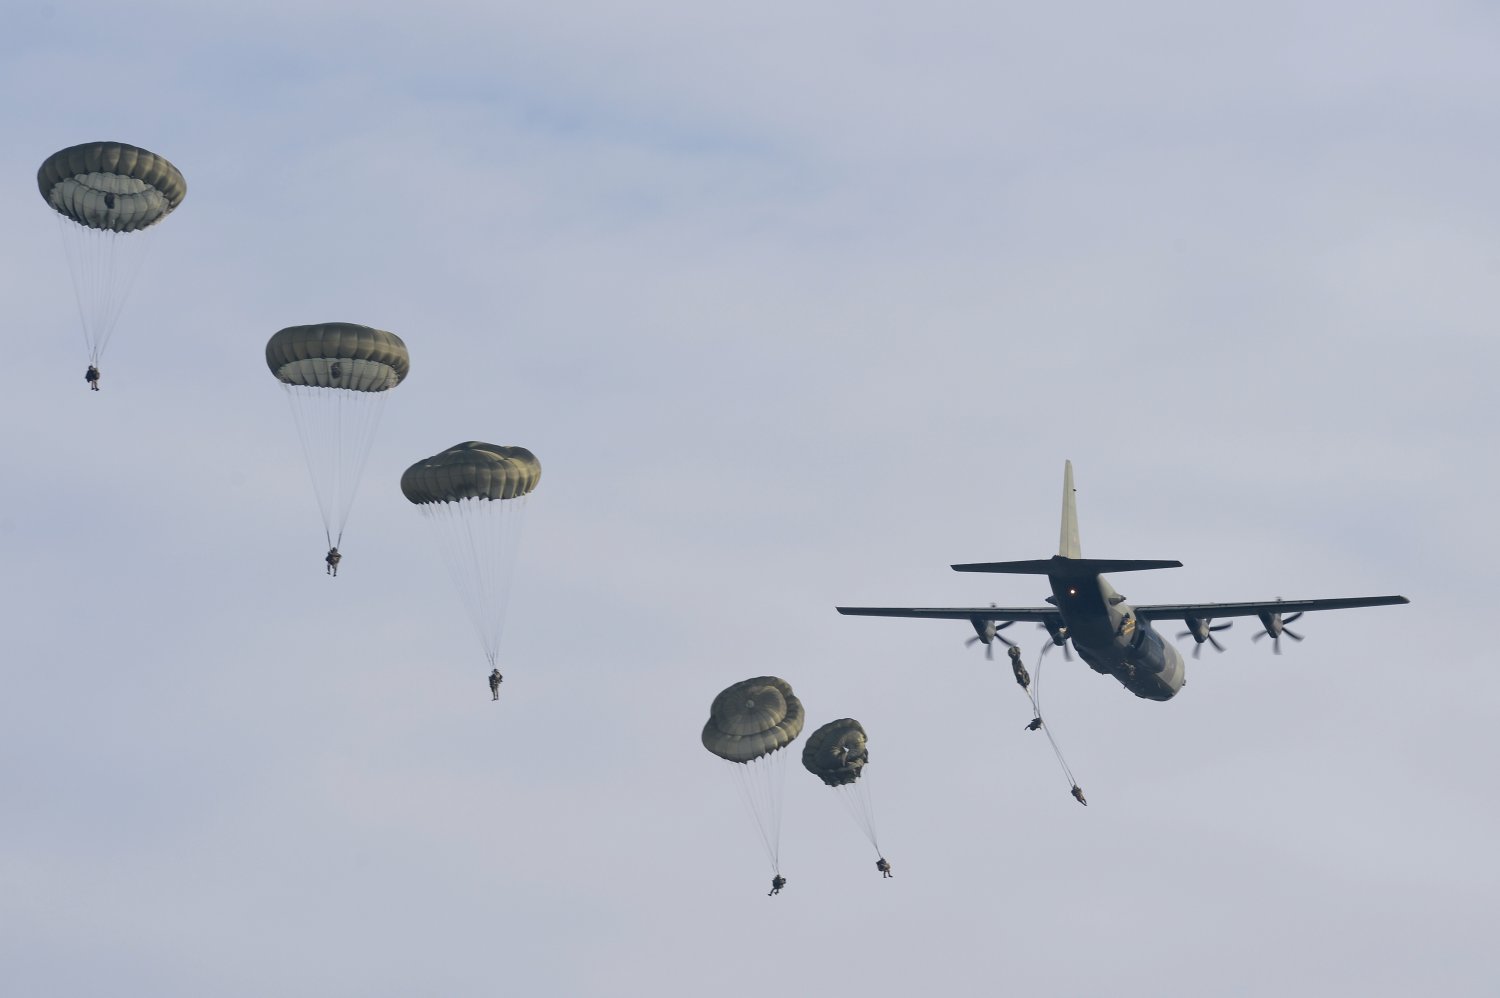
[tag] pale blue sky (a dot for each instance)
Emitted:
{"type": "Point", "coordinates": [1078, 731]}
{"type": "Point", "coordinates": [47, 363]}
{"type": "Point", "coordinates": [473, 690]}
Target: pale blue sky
{"type": "Point", "coordinates": [797, 305]}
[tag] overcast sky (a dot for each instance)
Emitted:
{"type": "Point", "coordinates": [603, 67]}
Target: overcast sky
{"type": "Point", "coordinates": [798, 304]}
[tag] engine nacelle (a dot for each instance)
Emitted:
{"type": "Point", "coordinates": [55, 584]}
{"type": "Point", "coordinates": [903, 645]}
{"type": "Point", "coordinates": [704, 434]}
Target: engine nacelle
{"type": "Point", "coordinates": [1273, 623]}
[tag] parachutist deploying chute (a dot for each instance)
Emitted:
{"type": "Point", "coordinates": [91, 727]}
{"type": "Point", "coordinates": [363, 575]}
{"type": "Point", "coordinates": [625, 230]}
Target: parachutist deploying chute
{"type": "Point", "coordinates": [1033, 690]}
{"type": "Point", "coordinates": [1023, 678]}
{"type": "Point", "coordinates": [748, 725]}
{"type": "Point", "coordinates": [837, 754]}
{"type": "Point", "coordinates": [336, 376]}
{"type": "Point", "coordinates": [103, 192]}
{"type": "Point", "coordinates": [474, 494]}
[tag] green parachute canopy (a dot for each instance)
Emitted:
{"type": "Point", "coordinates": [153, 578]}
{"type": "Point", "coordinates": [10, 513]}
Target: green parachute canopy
{"type": "Point", "coordinates": [336, 376]}
{"type": "Point", "coordinates": [111, 186]}
{"type": "Point", "coordinates": [338, 355]}
{"type": "Point", "coordinates": [472, 470]}
{"type": "Point", "coordinates": [836, 752]}
{"type": "Point", "coordinates": [459, 493]}
{"type": "Point", "coordinates": [753, 718]}
{"type": "Point", "coordinates": [102, 192]}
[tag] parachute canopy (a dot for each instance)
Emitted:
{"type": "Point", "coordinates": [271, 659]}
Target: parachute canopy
{"type": "Point", "coordinates": [836, 752]}
{"type": "Point", "coordinates": [112, 186]}
{"type": "Point", "coordinates": [337, 376]}
{"type": "Point", "coordinates": [455, 491]}
{"type": "Point", "coordinates": [473, 470]}
{"type": "Point", "coordinates": [338, 355]}
{"type": "Point", "coordinates": [753, 718]}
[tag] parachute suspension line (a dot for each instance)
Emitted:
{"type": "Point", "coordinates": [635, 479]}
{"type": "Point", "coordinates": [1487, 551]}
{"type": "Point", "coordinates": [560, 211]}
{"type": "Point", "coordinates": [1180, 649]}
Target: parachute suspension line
{"type": "Point", "coordinates": [479, 538]}
{"type": "Point", "coordinates": [123, 268]}
{"type": "Point", "coordinates": [760, 782]}
{"type": "Point", "coordinates": [80, 275]}
{"type": "Point", "coordinates": [1034, 692]}
{"type": "Point", "coordinates": [104, 271]}
{"type": "Point", "coordinates": [338, 467]}
{"type": "Point", "coordinates": [855, 797]}
{"type": "Point", "coordinates": [336, 427]}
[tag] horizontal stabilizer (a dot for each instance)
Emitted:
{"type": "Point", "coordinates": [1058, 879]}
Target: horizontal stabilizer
{"type": "Point", "coordinates": [1079, 567]}
{"type": "Point", "coordinates": [1039, 614]}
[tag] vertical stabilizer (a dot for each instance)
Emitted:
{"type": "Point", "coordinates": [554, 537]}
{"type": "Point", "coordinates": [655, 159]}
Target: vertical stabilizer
{"type": "Point", "coordinates": [1068, 546]}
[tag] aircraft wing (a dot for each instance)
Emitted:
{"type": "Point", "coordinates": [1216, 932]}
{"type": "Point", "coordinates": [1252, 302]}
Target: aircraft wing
{"type": "Point", "coordinates": [955, 613]}
{"type": "Point", "coordinates": [1205, 611]}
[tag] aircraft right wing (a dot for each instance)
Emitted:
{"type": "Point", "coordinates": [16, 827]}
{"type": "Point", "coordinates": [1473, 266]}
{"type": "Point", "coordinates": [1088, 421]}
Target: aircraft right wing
{"type": "Point", "coordinates": [1039, 615]}
{"type": "Point", "coordinates": [1204, 611]}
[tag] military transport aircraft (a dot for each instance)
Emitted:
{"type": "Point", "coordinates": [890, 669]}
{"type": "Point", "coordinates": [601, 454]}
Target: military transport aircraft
{"type": "Point", "coordinates": [1113, 637]}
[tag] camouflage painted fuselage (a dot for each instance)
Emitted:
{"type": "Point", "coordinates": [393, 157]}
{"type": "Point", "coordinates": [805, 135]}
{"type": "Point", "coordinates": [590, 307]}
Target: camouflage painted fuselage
{"type": "Point", "coordinates": [1109, 636]}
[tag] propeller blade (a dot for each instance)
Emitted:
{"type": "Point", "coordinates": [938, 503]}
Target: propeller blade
{"type": "Point", "coordinates": [1208, 636]}
{"type": "Point", "coordinates": [1290, 633]}
{"type": "Point", "coordinates": [1276, 644]}
{"type": "Point", "coordinates": [971, 642]}
{"type": "Point", "coordinates": [989, 651]}
{"type": "Point", "coordinates": [1288, 620]}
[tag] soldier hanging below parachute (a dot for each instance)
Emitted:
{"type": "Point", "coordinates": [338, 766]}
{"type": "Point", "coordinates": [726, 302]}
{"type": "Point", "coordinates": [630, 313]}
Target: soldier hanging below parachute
{"type": "Point", "coordinates": [749, 724]}
{"type": "Point", "coordinates": [337, 376]}
{"type": "Point", "coordinates": [474, 495]}
{"type": "Point", "coordinates": [104, 193]}
{"type": "Point", "coordinates": [837, 754]}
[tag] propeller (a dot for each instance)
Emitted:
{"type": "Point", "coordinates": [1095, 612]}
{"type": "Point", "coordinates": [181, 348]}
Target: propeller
{"type": "Point", "coordinates": [1276, 627]}
{"type": "Point", "coordinates": [988, 631]}
{"type": "Point", "coordinates": [1059, 634]}
{"type": "Point", "coordinates": [1201, 631]}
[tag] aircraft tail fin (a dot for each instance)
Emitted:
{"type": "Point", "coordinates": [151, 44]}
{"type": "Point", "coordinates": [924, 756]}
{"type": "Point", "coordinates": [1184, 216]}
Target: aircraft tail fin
{"type": "Point", "coordinates": [1069, 561]}
{"type": "Point", "coordinates": [1068, 545]}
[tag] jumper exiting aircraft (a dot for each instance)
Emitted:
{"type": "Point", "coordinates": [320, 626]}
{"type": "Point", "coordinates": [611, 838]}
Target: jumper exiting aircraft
{"type": "Point", "coordinates": [1113, 637]}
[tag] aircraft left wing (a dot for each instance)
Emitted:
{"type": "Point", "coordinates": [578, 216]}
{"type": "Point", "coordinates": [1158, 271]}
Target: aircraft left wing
{"type": "Point", "coordinates": [1205, 611]}
{"type": "Point", "coordinates": [1039, 615]}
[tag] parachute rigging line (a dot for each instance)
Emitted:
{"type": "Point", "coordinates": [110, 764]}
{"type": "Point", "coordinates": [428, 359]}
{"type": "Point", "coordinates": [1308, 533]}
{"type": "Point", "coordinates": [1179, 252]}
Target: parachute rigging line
{"type": "Point", "coordinates": [855, 798]}
{"type": "Point", "coordinates": [336, 429]}
{"type": "Point", "coordinates": [760, 784]}
{"type": "Point", "coordinates": [1034, 693]}
{"type": "Point", "coordinates": [103, 272]}
{"type": "Point", "coordinates": [479, 539]}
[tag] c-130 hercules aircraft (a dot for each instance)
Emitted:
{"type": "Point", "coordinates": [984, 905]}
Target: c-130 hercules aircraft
{"type": "Point", "coordinates": [1113, 637]}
